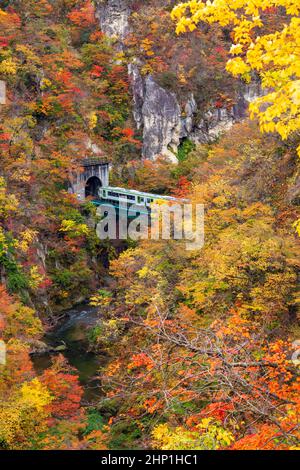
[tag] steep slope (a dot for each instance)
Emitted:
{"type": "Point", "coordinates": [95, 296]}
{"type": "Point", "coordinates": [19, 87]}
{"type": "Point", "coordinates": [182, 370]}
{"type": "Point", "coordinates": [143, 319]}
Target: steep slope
{"type": "Point", "coordinates": [180, 87]}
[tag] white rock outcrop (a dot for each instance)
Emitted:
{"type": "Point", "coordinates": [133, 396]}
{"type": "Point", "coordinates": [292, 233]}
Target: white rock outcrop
{"type": "Point", "coordinates": [113, 16]}
{"type": "Point", "coordinates": [156, 110]}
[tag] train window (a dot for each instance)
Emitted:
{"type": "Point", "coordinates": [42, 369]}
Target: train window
{"type": "Point", "coordinates": [150, 201]}
{"type": "Point", "coordinates": [140, 199]}
{"type": "Point", "coordinates": [130, 198]}
{"type": "Point", "coordinates": [113, 194]}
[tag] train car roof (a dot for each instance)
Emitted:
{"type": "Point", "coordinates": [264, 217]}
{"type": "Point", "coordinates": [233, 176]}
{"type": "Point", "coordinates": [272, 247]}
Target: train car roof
{"type": "Point", "coordinates": [140, 193]}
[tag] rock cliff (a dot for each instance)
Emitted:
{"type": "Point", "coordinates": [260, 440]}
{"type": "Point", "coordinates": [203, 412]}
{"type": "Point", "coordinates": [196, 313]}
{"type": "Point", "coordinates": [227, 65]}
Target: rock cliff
{"type": "Point", "coordinates": [113, 17]}
{"type": "Point", "coordinates": [157, 113]}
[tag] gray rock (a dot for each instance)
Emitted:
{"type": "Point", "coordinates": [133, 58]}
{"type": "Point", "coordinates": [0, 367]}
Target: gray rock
{"type": "Point", "coordinates": [187, 122]}
{"type": "Point", "coordinates": [161, 121]}
{"type": "Point", "coordinates": [214, 123]}
{"type": "Point", "coordinates": [138, 89]}
{"type": "Point", "coordinates": [113, 17]}
{"type": "Point", "coordinates": [156, 111]}
{"type": "Point", "coordinates": [38, 348]}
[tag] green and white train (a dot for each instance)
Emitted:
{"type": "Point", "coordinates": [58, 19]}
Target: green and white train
{"type": "Point", "coordinates": [116, 196]}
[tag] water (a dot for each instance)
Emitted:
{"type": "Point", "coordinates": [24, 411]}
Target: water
{"type": "Point", "coordinates": [72, 332]}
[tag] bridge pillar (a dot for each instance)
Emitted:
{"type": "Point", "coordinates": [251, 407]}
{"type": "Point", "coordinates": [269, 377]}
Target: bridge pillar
{"type": "Point", "coordinates": [94, 175]}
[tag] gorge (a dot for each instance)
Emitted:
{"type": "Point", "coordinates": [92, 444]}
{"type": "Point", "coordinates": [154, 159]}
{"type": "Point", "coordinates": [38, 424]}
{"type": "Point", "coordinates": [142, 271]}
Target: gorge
{"type": "Point", "coordinates": [113, 344]}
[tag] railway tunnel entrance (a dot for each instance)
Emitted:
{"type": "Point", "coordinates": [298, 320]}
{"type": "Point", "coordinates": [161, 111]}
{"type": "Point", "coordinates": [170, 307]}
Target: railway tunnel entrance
{"type": "Point", "coordinates": [92, 187]}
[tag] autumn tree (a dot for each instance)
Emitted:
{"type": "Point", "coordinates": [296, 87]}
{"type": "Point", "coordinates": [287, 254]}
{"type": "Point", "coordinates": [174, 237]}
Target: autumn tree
{"type": "Point", "coordinates": [273, 53]}
{"type": "Point", "coordinates": [199, 340]}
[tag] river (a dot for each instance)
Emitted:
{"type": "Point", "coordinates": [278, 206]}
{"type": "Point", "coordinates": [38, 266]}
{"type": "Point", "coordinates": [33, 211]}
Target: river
{"type": "Point", "coordinates": [72, 332]}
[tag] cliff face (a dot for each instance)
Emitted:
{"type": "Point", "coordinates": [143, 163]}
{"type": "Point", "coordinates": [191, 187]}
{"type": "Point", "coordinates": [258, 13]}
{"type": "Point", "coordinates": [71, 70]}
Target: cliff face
{"type": "Point", "coordinates": [113, 17]}
{"type": "Point", "coordinates": [165, 123]}
{"type": "Point", "coordinates": [164, 119]}
{"type": "Point", "coordinates": [157, 113]}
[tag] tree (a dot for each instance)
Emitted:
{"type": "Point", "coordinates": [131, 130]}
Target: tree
{"type": "Point", "coordinates": [270, 49]}
{"type": "Point", "coordinates": [202, 335]}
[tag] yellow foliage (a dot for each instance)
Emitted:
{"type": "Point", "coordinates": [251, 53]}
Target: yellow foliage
{"type": "Point", "coordinates": [29, 54]}
{"type": "Point", "coordinates": [93, 120]}
{"type": "Point", "coordinates": [26, 238]}
{"type": "Point", "coordinates": [3, 242]}
{"type": "Point", "coordinates": [274, 56]}
{"type": "Point", "coordinates": [8, 67]}
{"type": "Point", "coordinates": [146, 69]}
{"type": "Point", "coordinates": [35, 395]}
{"type": "Point", "coordinates": [8, 202]}
{"type": "Point", "coordinates": [23, 321]}
{"type": "Point", "coordinates": [24, 414]}
{"type": "Point", "coordinates": [208, 436]}
{"type": "Point", "coordinates": [45, 83]}
{"type": "Point", "coordinates": [36, 278]}
{"type": "Point", "coordinates": [74, 229]}
{"type": "Point", "coordinates": [146, 45]}
{"type": "Point", "coordinates": [296, 226]}
{"type": "Point", "coordinates": [102, 298]}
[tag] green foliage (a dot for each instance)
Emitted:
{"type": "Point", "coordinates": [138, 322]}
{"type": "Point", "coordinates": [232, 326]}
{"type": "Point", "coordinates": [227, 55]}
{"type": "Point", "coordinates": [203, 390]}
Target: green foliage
{"type": "Point", "coordinates": [95, 421]}
{"type": "Point", "coordinates": [168, 80]}
{"type": "Point", "coordinates": [16, 279]}
{"type": "Point", "coordinates": [124, 434]}
{"type": "Point", "coordinates": [71, 283]}
{"type": "Point", "coordinates": [185, 148]}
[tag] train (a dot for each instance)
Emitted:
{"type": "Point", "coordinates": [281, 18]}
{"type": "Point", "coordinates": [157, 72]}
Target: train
{"type": "Point", "coordinates": [115, 196]}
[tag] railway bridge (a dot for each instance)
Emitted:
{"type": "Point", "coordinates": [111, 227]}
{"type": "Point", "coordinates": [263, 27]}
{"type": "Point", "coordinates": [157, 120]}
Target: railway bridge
{"type": "Point", "coordinates": [93, 182]}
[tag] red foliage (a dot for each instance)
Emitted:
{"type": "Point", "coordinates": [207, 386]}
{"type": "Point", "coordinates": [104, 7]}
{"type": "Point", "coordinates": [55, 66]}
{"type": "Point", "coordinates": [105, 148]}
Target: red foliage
{"type": "Point", "coordinates": [64, 386]}
{"type": "Point", "coordinates": [5, 137]}
{"type": "Point", "coordinates": [219, 411]}
{"type": "Point", "coordinates": [65, 78]}
{"type": "Point", "coordinates": [127, 132]}
{"type": "Point", "coordinates": [183, 187]}
{"type": "Point", "coordinates": [97, 71]}
{"type": "Point", "coordinates": [3, 41]}
{"type": "Point", "coordinates": [6, 307]}
{"type": "Point", "coordinates": [126, 135]}
{"type": "Point", "coordinates": [97, 35]}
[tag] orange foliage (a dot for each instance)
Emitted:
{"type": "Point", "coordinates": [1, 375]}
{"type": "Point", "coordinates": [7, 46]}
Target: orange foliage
{"type": "Point", "coordinates": [83, 16]}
